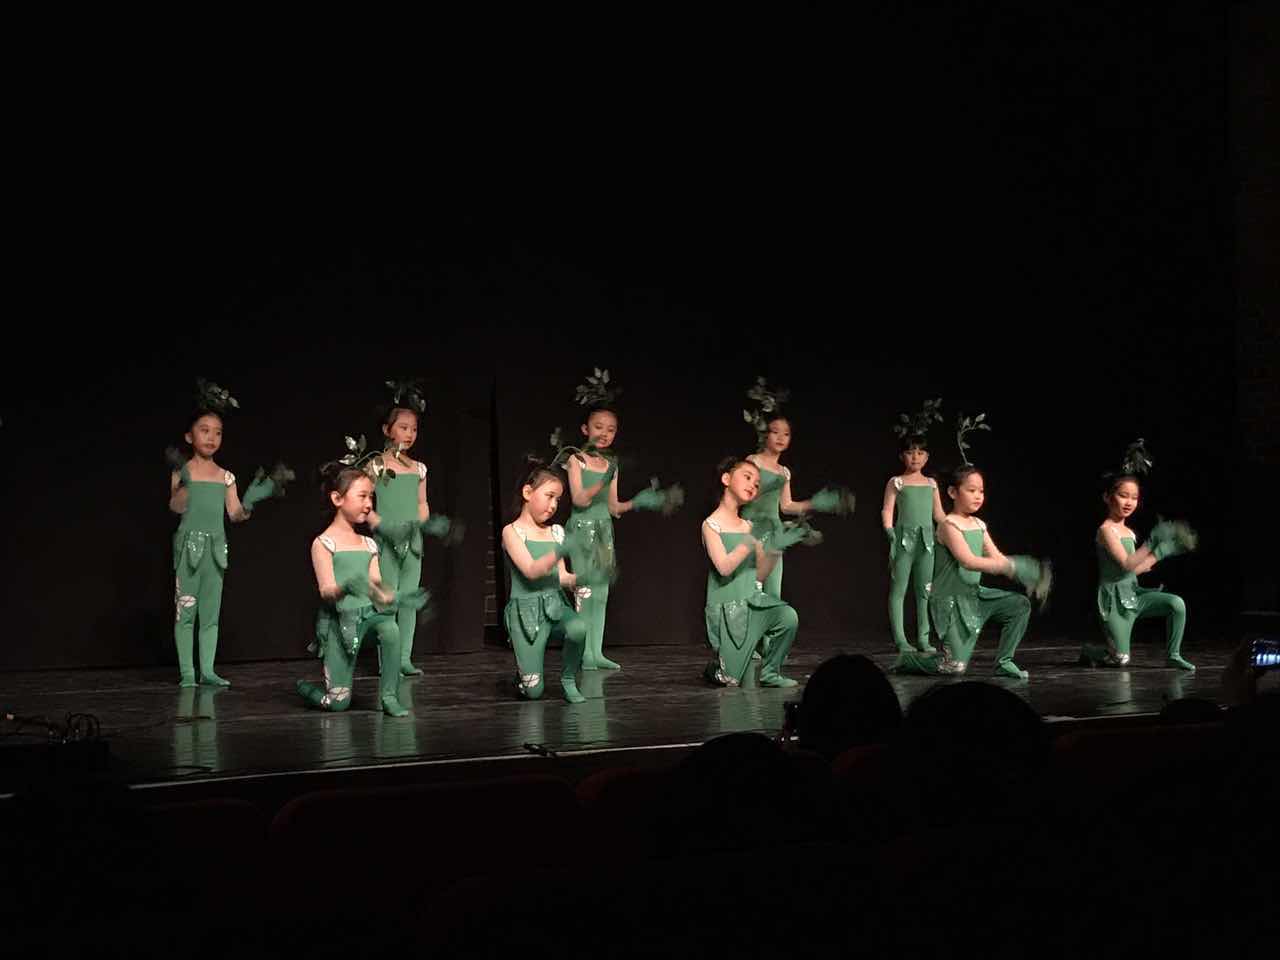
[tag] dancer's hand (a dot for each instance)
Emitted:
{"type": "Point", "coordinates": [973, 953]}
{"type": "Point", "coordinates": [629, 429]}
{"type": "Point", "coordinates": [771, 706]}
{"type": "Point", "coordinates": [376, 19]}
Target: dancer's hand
{"type": "Point", "coordinates": [1035, 575]}
{"type": "Point", "coordinates": [262, 488]}
{"type": "Point", "coordinates": [788, 537]}
{"type": "Point", "coordinates": [574, 541]}
{"type": "Point", "coordinates": [179, 465]}
{"type": "Point", "coordinates": [835, 500]}
{"type": "Point", "coordinates": [356, 585]}
{"type": "Point", "coordinates": [447, 530]}
{"type": "Point", "coordinates": [414, 599]}
{"type": "Point", "coordinates": [1169, 538]}
{"type": "Point", "coordinates": [649, 499]}
{"type": "Point", "coordinates": [395, 533]}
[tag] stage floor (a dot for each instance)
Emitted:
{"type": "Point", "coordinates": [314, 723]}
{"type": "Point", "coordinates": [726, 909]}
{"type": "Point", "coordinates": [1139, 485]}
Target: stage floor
{"type": "Point", "coordinates": [465, 709]}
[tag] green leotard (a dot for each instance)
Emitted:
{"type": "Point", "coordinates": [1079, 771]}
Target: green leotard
{"type": "Point", "coordinates": [199, 563]}
{"type": "Point", "coordinates": [593, 602]}
{"type": "Point", "coordinates": [960, 605]}
{"type": "Point", "coordinates": [911, 555]}
{"type": "Point", "coordinates": [402, 563]}
{"type": "Point", "coordinates": [741, 617]}
{"type": "Point", "coordinates": [341, 630]}
{"type": "Point", "coordinates": [536, 611]}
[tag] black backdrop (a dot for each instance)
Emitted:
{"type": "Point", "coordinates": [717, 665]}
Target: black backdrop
{"type": "Point", "coordinates": [1026, 215]}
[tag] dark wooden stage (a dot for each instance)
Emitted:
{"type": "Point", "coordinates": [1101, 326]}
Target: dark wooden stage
{"type": "Point", "coordinates": [466, 716]}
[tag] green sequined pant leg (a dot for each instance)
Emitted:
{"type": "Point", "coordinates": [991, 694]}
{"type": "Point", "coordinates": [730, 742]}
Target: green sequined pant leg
{"type": "Point", "coordinates": [198, 596]}
{"type": "Point", "coordinates": [398, 574]}
{"type": "Point", "coordinates": [1011, 610]}
{"type": "Point", "coordinates": [772, 584]}
{"type": "Point", "coordinates": [531, 656]}
{"type": "Point", "coordinates": [339, 671]}
{"type": "Point", "coordinates": [388, 637]}
{"type": "Point", "coordinates": [914, 564]}
{"type": "Point", "coordinates": [593, 610]}
{"type": "Point", "coordinates": [1118, 625]}
{"type": "Point", "coordinates": [776, 627]}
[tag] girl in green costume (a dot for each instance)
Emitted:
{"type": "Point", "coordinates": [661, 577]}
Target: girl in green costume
{"type": "Point", "coordinates": [536, 610]}
{"type": "Point", "coordinates": [911, 539]}
{"type": "Point", "coordinates": [401, 510]}
{"type": "Point", "coordinates": [593, 489]}
{"type": "Point", "coordinates": [766, 510]}
{"type": "Point", "coordinates": [773, 439]}
{"type": "Point", "coordinates": [958, 602]}
{"type": "Point", "coordinates": [1121, 601]}
{"type": "Point", "coordinates": [741, 617]}
{"type": "Point", "coordinates": [201, 492]}
{"type": "Point", "coordinates": [355, 602]}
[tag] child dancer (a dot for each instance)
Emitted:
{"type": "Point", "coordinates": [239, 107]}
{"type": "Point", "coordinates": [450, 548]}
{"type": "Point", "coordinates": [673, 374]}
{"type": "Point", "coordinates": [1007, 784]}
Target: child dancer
{"type": "Point", "coordinates": [1121, 601]}
{"type": "Point", "coordinates": [355, 601]}
{"type": "Point", "coordinates": [959, 604]}
{"type": "Point", "coordinates": [773, 439]}
{"type": "Point", "coordinates": [201, 492]}
{"type": "Point", "coordinates": [401, 501]}
{"type": "Point", "coordinates": [911, 538]}
{"type": "Point", "coordinates": [741, 617]}
{"type": "Point", "coordinates": [536, 611]}
{"type": "Point", "coordinates": [593, 488]}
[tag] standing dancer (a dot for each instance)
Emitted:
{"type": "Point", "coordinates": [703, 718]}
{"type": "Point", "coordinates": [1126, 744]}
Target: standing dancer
{"type": "Point", "coordinates": [773, 439]}
{"type": "Point", "coordinates": [911, 538]}
{"type": "Point", "coordinates": [201, 492]}
{"type": "Point", "coordinates": [593, 488]}
{"type": "Point", "coordinates": [403, 514]}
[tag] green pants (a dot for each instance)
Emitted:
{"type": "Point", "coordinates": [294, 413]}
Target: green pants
{"type": "Point", "coordinates": [772, 584]}
{"type": "Point", "coordinates": [592, 611]}
{"type": "Point", "coordinates": [1011, 610]}
{"type": "Point", "coordinates": [1118, 624]}
{"type": "Point", "coordinates": [197, 596]}
{"type": "Point", "coordinates": [594, 608]}
{"type": "Point", "coordinates": [340, 666]}
{"type": "Point", "coordinates": [771, 630]}
{"type": "Point", "coordinates": [402, 573]}
{"type": "Point", "coordinates": [908, 563]}
{"type": "Point", "coordinates": [531, 653]}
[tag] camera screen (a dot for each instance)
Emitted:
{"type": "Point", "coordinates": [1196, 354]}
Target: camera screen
{"type": "Point", "coordinates": [1266, 653]}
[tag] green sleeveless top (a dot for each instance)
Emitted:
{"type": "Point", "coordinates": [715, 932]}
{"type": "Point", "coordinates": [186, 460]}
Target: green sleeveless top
{"type": "Point", "coordinates": [397, 500]}
{"type": "Point", "coordinates": [348, 619]}
{"type": "Point", "coordinates": [955, 591]}
{"type": "Point", "coordinates": [203, 527]}
{"type": "Point", "coordinates": [595, 515]}
{"type": "Point", "coordinates": [914, 521]}
{"type": "Point", "coordinates": [533, 602]}
{"type": "Point", "coordinates": [731, 599]}
{"type": "Point", "coordinates": [1117, 587]}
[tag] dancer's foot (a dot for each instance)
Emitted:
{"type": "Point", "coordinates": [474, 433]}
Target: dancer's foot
{"type": "Point", "coordinates": [409, 670]}
{"type": "Point", "coordinates": [1007, 668]}
{"type": "Point", "coordinates": [778, 680]}
{"type": "Point", "coordinates": [571, 693]}
{"type": "Point", "coordinates": [211, 679]}
{"type": "Point", "coordinates": [392, 707]}
{"type": "Point", "coordinates": [1180, 663]}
